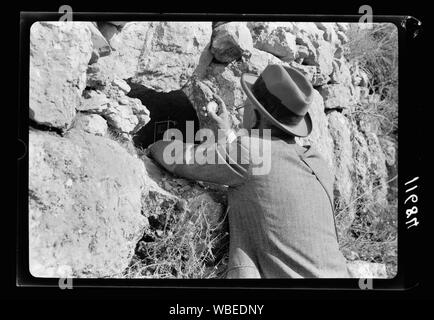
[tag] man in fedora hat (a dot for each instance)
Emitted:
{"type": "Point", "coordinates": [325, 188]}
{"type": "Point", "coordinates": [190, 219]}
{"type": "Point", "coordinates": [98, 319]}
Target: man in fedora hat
{"type": "Point", "coordinates": [281, 221]}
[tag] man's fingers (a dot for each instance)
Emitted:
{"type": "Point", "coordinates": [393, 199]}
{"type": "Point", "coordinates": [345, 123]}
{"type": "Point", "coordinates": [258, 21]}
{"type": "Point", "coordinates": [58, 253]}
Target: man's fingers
{"type": "Point", "coordinates": [213, 115]}
{"type": "Point", "coordinates": [220, 102]}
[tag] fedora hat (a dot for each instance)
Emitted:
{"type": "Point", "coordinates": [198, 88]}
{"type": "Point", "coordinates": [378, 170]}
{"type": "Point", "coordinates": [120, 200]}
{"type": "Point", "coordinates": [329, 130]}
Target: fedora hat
{"type": "Point", "coordinates": [283, 91]}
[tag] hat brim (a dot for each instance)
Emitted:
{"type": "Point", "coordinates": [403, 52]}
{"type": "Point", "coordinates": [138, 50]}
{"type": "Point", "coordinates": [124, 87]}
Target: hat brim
{"type": "Point", "coordinates": [301, 129]}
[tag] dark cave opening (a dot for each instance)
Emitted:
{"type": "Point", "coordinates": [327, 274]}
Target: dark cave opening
{"type": "Point", "coordinates": [167, 110]}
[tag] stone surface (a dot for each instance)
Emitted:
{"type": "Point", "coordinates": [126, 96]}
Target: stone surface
{"type": "Point", "coordinates": [87, 220]}
{"type": "Point", "coordinates": [172, 54]}
{"type": "Point", "coordinates": [329, 31]}
{"type": "Point", "coordinates": [230, 41]}
{"type": "Point", "coordinates": [367, 270]}
{"type": "Point", "coordinates": [91, 123]}
{"type": "Point", "coordinates": [126, 115]}
{"type": "Point", "coordinates": [336, 96]}
{"type": "Point", "coordinates": [59, 54]}
{"type": "Point", "coordinates": [278, 42]}
{"type": "Point", "coordinates": [341, 72]}
{"type": "Point", "coordinates": [159, 55]}
{"type": "Point", "coordinates": [340, 130]}
{"type": "Point", "coordinates": [99, 42]}
{"type": "Point", "coordinates": [389, 148]}
{"type": "Point", "coordinates": [93, 101]}
{"type": "Point", "coordinates": [121, 84]}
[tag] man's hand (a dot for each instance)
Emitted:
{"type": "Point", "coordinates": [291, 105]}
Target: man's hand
{"type": "Point", "coordinates": [223, 120]}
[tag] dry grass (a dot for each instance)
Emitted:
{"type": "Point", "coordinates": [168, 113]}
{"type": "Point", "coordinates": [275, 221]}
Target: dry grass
{"type": "Point", "coordinates": [181, 244]}
{"type": "Point", "coordinates": [373, 233]}
{"type": "Point", "coordinates": [375, 50]}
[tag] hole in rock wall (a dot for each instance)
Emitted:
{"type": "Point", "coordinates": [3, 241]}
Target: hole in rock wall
{"type": "Point", "coordinates": [167, 110]}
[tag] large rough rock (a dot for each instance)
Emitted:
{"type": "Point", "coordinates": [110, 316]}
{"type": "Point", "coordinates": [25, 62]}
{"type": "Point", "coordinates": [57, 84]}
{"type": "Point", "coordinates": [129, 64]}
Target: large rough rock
{"type": "Point", "coordinates": [91, 123]}
{"type": "Point", "coordinates": [93, 101]}
{"type": "Point", "coordinates": [108, 98]}
{"type": "Point", "coordinates": [84, 205]}
{"type": "Point", "coordinates": [278, 42]}
{"type": "Point", "coordinates": [159, 55]}
{"type": "Point", "coordinates": [336, 96]}
{"type": "Point", "coordinates": [59, 54]}
{"type": "Point", "coordinates": [340, 130]}
{"type": "Point", "coordinates": [230, 41]}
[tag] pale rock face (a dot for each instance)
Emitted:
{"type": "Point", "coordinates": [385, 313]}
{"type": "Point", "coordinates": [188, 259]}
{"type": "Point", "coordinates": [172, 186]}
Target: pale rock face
{"type": "Point", "coordinates": [256, 27]}
{"type": "Point", "coordinates": [258, 61]}
{"type": "Point", "coordinates": [342, 26]}
{"type": "Point", "coordinates": [389, 149]}
{"type": "Point", "coordinates": [59, 54]}
{"type": "Point", "coordinates": [366, 270]}
{"type": "Point", "coordinates": [100, 43]}
{"type": "Point", "coordinates": [91, 123]}
{"type": "Point", "coordinates": [93, 101]}
{"type": "Point", "coordinates": [310, 29]}
{"type": "Point", "coordinates": [341, 72]}
{"type": "Point", "coordinates": [121, 84]}
{"type": "Point", "coordinates": [310, 72]}
{"type": "Point", "coordinates": [127, 115]}
{"type": "Point", "coordinates": [87, 220]}
{"type": "Point", "coordinates": [159, 55]}
{"type": "Point", "coordinates": [128, 45]}
{"type": "Point", "coordinates": [230, 41]}
{"type": "Point", "coordinates": [370, 172]}
{"type": "Point", "coordinates": [329, 31]}
{"type": "Point", "coordinates": [278, 42]}
{"type": "Point", "coordinates": [340, 131]}
{"type": "Point", "coordinates": [173, 52]}
{"type": "Point", "coordinates": [325, 56]}
{"type": "Point", "coordinates": [336, 96]}
{"type": "Point", "coordinates": [124, 114]}
{"type": "Point", "coordinates": [342, 37]}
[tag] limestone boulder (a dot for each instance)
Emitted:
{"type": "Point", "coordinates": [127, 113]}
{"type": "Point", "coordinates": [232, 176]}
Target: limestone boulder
{"type": "Point", "coordinates": [339, 127]}
{"type": "Point", "coordinates": [159, 55]}
{"type": "Point", "coordinates": [336, 96]}
{"type": "Point", "coordinates": [231, 41]}
{"type": "Point", "coordinates": [278, 42]}
{"type": "Point", "coordinates": [93, 101]}
{"type": "Point", "coordinates": [85, 207]}
{"type": "Point", "coordinates": [91, 123]}
{"type": "Point", "coordinates": [59, 55]}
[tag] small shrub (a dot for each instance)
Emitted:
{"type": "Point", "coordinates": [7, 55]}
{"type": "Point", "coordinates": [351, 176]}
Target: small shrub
{"type": "Point", "coordinates": [181, 244]}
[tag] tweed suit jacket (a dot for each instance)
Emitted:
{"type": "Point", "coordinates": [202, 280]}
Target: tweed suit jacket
{"type": "Point", "coordinates": [281, 220]}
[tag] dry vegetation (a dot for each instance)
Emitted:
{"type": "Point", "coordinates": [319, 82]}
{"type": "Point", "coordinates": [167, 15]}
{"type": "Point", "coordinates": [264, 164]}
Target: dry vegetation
{"type": "Point", "coordinates": [373, 234]}
{"type": "Point", "coordinates": [181, 244]}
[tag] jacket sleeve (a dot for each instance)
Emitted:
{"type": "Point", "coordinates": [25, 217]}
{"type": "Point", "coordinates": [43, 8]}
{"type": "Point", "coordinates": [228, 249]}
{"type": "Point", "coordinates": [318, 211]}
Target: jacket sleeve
{"type": "Point", "coordinates": [221, 163]}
